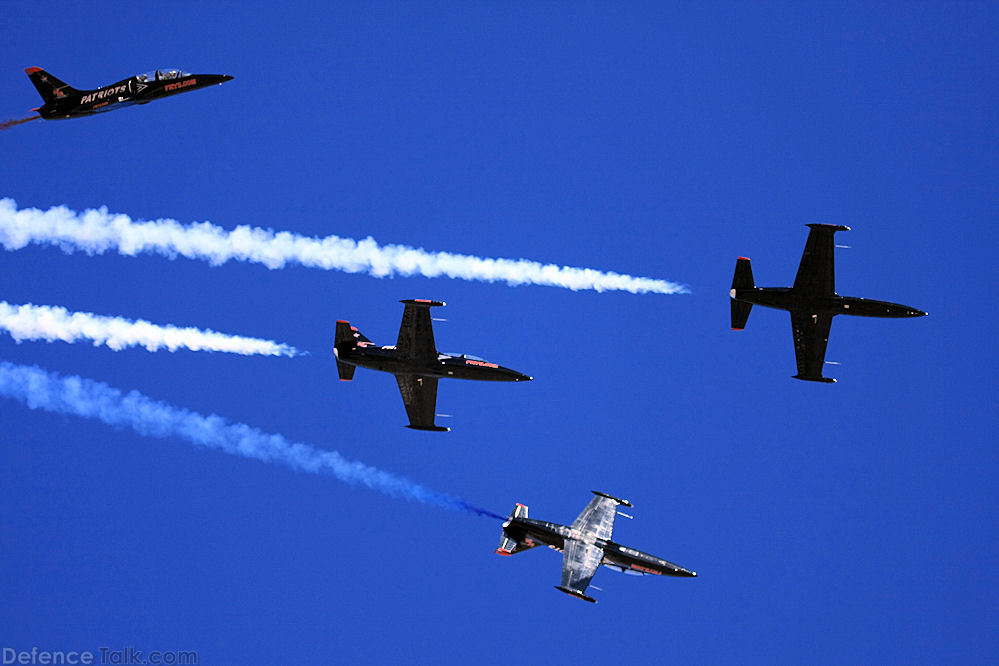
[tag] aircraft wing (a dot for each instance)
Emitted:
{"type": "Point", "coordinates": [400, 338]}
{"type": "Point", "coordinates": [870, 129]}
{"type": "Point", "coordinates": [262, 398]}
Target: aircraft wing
{"type": "Point", "coordinates": [811, 334]}
{"type": "Point", "coordinates": [597, 519]}
{"type": "Point", "coordinates": [419, 394]}
{"type": "Point", "coordinates": [579, 563]}
{"type": "Point", "coordinates": [416, 333]}
{"type": "Point", "coordinates": [816, 274]}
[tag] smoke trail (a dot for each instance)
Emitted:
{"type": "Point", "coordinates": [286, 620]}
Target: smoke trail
{"type": "Point", "coordinates": [43, 322]}
{"type": "Point", "coordinates": [97, 231]}
{"type": "Point", "coordinates": [39, 389]}
{"type": "Point", "coordinates": [7, 124]}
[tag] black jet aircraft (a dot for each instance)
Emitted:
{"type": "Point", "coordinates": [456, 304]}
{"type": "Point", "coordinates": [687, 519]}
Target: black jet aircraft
{"type": "Point", "coordinates": [585, 545]}
{"type": "Point", "coordinates": [64, 101]}
{"type": "Point", "coordinates": [812, 301]}
{"type": "Point", "coordinates": [415, 362]}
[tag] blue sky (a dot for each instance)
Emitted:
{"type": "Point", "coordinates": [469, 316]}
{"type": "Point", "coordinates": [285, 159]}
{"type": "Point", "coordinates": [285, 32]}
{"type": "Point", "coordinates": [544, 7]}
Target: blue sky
{"type": "Point", "coordinates": [844, 523]}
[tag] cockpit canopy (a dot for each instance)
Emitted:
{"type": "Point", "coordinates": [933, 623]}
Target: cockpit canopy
{"type": "Point", "coordinates": [469, 356]}
{"type": "Point", "coordinates": [162, 75]}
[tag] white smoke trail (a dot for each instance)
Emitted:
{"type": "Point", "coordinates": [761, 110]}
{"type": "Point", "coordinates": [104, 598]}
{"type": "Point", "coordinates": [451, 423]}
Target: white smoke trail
{"type": "Point", "coordinates": [43, 322]}
{"type": "Point", "coordinates": [97, 231]}
{"type": "Point", "coordinates": [87, 398]}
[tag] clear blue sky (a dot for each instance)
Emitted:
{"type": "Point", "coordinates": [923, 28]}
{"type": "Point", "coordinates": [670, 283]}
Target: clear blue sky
{"type": "Point", "coordinates": [840, 524]}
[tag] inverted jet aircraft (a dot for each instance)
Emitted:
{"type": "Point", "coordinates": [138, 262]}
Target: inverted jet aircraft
{"type": "Point", "coordinates": [64, 101]}
{"type": "Point", "coordinates": [585, 545]}
{"type": "Point", "coordinates": [415, 362]}
{"type": "Point", "coordinates": [812, 301]}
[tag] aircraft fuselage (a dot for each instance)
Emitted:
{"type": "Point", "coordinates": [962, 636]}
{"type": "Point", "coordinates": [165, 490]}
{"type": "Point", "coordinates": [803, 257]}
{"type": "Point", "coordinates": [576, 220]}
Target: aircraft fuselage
{"type": "Point", "coordinates": [787, 298]}
{"type": "Point", "coordinates": [616, 556]}
{"type": "Point", "coordinates": [67, 102]}
{"type": "Point", "coordinates": [446, 366]}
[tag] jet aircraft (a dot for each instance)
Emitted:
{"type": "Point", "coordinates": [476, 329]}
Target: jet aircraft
{"type": "Point", "coordinates": [64, 101]}
{"type": "Point", "coordinates": [415, 362]}
{"type": "Point", "coordinates": [585, 545]}
{"type": "Point", "coordinates": [812, 301]}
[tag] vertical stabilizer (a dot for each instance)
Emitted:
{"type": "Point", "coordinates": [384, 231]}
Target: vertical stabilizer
{"type": "Point", "coordinates": [49, 87]}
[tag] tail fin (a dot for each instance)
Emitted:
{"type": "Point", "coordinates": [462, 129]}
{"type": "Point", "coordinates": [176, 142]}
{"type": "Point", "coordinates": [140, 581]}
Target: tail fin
{"type": "Point", "coordinates": [347, 333]}
{"type": "Point", "coordinates": [347, 336]}
{"type": "Point", "coordinates": [519, 511]}
{"type": "Point", "coordinates": [49, 87]}
{"type": "Point", "coordinates": [508, 545]}
{"type": "Point", "coordinates": [743, 279]}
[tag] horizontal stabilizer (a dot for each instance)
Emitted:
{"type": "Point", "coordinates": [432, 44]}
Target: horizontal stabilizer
{"type": "Point", "coordinates": [509, 545]}
{"type": "Point", "coordinates": [346, 336]}
{"type": "Point", "coordinates": [345, 370]}
{"type": "Point", "coordinates": [740, 314]}
{"type": "Point", "coordinates": [742, 279]}
{"type": "Point", "coordinates": [575, 593]}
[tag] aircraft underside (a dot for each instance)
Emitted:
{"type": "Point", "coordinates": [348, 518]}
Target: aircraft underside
{"type": "Point", "coordinates": [812, 301]}
{"type": "Point", "coordinates": [415, 362]}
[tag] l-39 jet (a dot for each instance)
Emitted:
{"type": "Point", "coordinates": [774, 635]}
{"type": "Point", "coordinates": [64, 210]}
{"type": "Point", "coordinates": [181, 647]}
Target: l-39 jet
{"type": "Point", "coordinates": [812, 301]}
{"type": "Point", "coordinates": [65, 101]}
{"type": "Point", "coordinates": [585, 545]}
{"type": "Point", "coordinates": [415, 362]}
